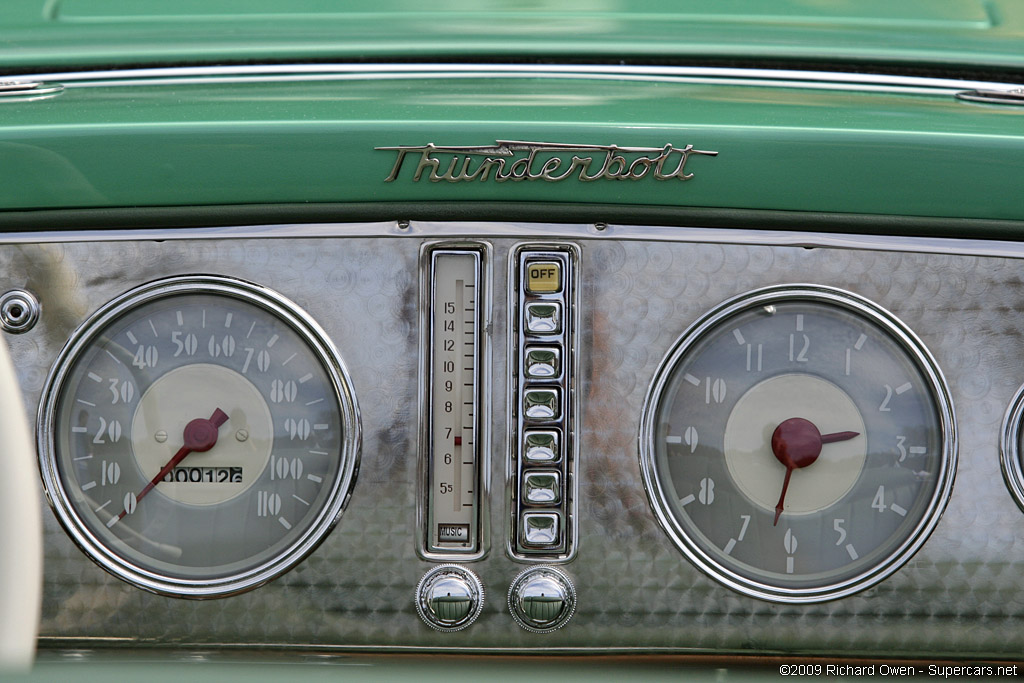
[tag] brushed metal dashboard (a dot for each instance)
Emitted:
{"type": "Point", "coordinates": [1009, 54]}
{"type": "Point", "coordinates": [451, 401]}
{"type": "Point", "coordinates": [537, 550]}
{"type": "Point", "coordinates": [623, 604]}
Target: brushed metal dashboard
{"type": "Point", "coordinates": [961, 595]}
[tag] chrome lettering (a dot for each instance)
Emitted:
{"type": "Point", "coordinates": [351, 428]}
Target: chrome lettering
{"type": "Point", "coordinates": [517, 161]}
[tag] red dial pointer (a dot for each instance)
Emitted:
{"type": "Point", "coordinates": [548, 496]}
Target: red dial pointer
{"type": "Point", "coordinates": [797, 443]}
{"type": "Point", "coordinates": [200, 435]}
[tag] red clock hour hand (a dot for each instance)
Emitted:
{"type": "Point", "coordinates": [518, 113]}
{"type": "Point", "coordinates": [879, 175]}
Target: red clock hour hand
{"type": "Point", "coordinates": [200, 435]}
{"type": "Point", "coordinates": [797, 443]}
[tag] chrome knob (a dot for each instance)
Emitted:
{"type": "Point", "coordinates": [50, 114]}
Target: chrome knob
{"type": "Point", "coordinates": [542, 599]}
{"type": "Point", "coordinates": [19, 311]}
{"type": "Point", "coordinates": [449, 597]}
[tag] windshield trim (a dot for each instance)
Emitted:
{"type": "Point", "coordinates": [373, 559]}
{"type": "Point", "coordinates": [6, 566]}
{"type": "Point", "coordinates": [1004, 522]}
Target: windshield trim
{"type": "Point", "coordinates": [796, 78]}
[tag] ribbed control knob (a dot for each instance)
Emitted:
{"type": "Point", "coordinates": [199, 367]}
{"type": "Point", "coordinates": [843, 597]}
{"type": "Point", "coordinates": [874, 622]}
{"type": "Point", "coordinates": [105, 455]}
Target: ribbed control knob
{"type": "Point", "coordinates": [449, 597]}
{"type": "Point", "coordinates": [542, 599]}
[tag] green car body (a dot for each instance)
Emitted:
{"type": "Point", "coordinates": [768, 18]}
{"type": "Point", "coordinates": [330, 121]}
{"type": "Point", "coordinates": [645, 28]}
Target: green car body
{"type": "Point", "coordinates": [313, 139]}
{"type": "Point", "coordinates": [619, 119]}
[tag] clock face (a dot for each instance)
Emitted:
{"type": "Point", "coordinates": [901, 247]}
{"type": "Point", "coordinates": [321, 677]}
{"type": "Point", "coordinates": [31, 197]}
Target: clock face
{"type": "Point", "coordinates": [798, 443]}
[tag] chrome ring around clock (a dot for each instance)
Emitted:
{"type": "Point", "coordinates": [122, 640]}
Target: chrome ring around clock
{"type": "Point", "coordinates": [1009, 448]}
{"type": "Point", "coordinates": [255, 506]}
{"type": "Point", "coordinates": [762, 331]}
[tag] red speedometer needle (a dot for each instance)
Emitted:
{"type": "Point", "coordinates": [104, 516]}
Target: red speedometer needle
{"type": "Point", "coordinates": [200, 435]}
{"type": "Point", "coordinates": [797, 443]}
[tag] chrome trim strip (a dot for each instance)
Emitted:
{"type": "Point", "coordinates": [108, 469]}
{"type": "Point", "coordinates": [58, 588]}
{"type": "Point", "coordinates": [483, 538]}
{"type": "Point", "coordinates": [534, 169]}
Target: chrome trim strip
{"type": "Point", "coordinates": [777, 83]}
{"type": "Point", "coordinates": [719, 75]}
{"type": "Point", "coordinates": [26, 89]}
{"type": "Point", "coordinates": [999, 96]}
{"type": "Point", "coordinates": [478, 230]}
{"type": "Point", "coordinates": [79, 645]}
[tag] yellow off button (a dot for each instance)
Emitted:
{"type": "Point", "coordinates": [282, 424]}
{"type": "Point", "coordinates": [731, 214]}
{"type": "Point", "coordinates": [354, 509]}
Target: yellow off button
{"type": "Point", "coordinates": [543, 277]}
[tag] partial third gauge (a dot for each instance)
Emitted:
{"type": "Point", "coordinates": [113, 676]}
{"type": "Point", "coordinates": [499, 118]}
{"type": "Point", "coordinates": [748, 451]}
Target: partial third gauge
{"type": "Point", "coordinates": [453, 425]}
{"type": "Point", "coordinates": [798, 443]}
{"type": "Point", "coordinates": [198, 436]}
{"type": "Point", "coordinates": [1011, 448]}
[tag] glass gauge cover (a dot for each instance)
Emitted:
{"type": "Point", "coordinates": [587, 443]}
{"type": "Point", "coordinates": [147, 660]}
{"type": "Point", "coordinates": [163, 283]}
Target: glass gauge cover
{"type": "Point", "coordinates": [798, 443]}
{"type": "Point", "coordinates": [198, 436]}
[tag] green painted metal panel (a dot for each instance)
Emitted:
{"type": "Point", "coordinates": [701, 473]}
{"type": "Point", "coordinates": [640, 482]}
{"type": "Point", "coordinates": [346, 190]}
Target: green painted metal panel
{"type": "Point", "coordinates": [937, 32]}
{"type": "Point", "coordinates": [158, 666]}
{"type": "Point", "coordinates": [254, 142]}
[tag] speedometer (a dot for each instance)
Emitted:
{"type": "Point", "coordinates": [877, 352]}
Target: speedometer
{"type": "Point", "coordinates": [198, 436]}
{"type": "Point", "coordinates": [798, 443]}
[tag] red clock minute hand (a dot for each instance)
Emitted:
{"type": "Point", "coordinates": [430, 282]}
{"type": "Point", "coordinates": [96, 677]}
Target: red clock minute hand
{"type": "Point", "coordinates": [200, 435]}
{"type": "Point", "coordinates": [797, 443]}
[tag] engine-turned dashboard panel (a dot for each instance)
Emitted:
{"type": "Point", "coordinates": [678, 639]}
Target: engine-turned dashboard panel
{"type": "Point", "coordinates": [512, 437]}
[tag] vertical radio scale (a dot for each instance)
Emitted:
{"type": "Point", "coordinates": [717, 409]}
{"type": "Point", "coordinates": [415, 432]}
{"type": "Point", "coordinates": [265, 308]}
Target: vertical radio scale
{"type": "Point", "coordinates": [454, 373]}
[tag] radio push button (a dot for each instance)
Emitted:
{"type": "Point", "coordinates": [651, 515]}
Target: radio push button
{"type": "Point", "coordinates": [540, 529]}
{"type": "Point", "coordinates": [543, 277]}
{"type": "Point", "coordinates": [542, 488]}
{"type": "Point", "coordinates": [541, 404]}
{"type": "Point", "coordinates": [543, 318]}
{"type": "Point", "coordinates": [543, 362]}
{"type": "Point", "coordinates": [541, 448]}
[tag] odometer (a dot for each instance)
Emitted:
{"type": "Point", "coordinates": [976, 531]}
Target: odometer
{"type": "Point", "coordinates": [798, 443]}
{"type": "Point", "coordinates": [198, 436]}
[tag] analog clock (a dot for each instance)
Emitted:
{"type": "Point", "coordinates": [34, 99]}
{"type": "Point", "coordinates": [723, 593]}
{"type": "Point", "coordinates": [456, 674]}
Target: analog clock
{"type": "Point", "coordinates": [798, 443]}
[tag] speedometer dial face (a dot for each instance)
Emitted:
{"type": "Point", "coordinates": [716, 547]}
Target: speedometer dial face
{"type": "Point", "coordinates": [198, 436]}
{"type": "Point", "coordinates": [798, 443]}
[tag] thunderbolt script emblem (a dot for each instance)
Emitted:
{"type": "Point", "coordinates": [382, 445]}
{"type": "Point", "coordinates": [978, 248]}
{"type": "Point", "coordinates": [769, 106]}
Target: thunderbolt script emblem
{"type": "Point", "coordinates": [510, 160]}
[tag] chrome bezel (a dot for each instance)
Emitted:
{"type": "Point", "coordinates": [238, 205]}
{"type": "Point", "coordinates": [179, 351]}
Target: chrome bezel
{"type": "Point", "coordinates": [916, 351]}
{"type": "Point", "coordinates": [1009, 448]}
{"type": "Point", "coordinates": [310, 333]}
{"type": "Point", "coordinates": [482, 399]}
{"type": "Point", "coordinates": [568, 422]}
